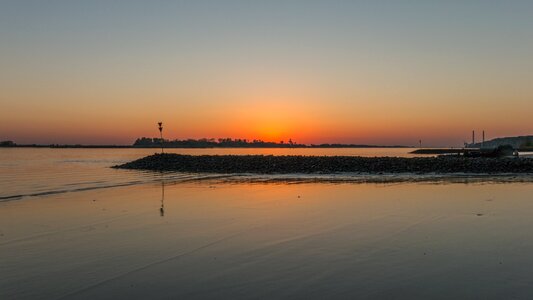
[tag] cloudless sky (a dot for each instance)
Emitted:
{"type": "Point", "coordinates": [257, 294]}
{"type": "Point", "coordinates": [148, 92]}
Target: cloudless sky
{"type": "Point", "coordinates": [376, 72]}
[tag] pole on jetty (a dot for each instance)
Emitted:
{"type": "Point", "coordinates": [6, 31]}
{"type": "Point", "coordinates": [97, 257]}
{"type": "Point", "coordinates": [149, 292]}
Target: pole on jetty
{"type": "Point", "coordinates": [483, 140]}
{"type": "Point", "coordinates": [473, 137]}
{"type": "Point", "coordinates": [161, 133]}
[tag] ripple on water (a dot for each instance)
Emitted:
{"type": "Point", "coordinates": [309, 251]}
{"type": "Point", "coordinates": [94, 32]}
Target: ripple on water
{"type": "Point", "coordinates": [42, 171]}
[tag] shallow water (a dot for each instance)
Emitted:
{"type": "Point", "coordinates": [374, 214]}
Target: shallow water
{"type": "Point", "coordinates": [28, 172]}
{"type": "Point", "coordinates": [31, 171]}
{"type": "Point", "coordinates": [215, 240]}
{"type": "Point", "coordinates": [173, 236]}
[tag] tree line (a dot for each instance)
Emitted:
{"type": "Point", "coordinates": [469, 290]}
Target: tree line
{"type": "Point", "coordinates": [146, 142]}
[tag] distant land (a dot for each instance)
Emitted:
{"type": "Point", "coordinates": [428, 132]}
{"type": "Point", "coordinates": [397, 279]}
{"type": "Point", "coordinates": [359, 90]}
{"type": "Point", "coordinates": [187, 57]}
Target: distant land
{"type": "Point", "coordinates": [517, 142]}
{"type": "Point", "coordinates": [145, 142]}
{"type": "Point", "coordinates": [241, 143]}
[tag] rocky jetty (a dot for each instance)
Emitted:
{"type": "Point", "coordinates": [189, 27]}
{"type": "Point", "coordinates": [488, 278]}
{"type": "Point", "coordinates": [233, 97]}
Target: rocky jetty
{"type": "Point", "coordinates": [269, 164]}
{"type": "Point", "coordinates": [500, 151]}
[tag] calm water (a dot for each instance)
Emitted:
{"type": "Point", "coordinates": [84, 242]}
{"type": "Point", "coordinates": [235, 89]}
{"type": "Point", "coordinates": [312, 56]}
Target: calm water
{"type": "Point", "coordinates": [36, 171]}
{"type": "Point", "coordinates": [91, 232]}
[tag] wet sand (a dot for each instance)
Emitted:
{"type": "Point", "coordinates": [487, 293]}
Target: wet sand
{"type": "Point", "coordinates": [213, 240]}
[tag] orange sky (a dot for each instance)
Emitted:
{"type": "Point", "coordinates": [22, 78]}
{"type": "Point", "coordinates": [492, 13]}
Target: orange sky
{"type": "Point", "coordinates": [352, 73]}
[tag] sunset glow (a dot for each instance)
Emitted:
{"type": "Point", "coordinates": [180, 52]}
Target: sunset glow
{"type": "Point", "coordinates": [270, 149]}
{"type": "Point", "coordinates": [323, 74]}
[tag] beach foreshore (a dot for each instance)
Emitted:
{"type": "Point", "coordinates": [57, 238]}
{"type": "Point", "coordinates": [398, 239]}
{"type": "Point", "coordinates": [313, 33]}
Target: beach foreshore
{"type": "Point", "coordinates": [270, 164]}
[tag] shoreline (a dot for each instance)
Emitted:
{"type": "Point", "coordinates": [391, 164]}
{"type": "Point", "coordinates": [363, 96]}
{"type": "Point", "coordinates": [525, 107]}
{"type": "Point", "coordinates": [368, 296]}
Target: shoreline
{"type": "Point", "coordinates": [212, 179]}
{"type": "Point", "coordinates": [269, 164]}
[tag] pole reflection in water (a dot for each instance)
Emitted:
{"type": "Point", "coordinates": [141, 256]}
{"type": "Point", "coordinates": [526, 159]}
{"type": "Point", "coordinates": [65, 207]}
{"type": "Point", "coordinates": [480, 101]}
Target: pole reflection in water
{"type": "Point", "coordinates": [162, 208]}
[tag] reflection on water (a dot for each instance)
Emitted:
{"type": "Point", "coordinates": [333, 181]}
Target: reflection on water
{"type": "Point", "coordinates": [162, 208]}
{"type": "Point", "coordinates": [242, 236]}
{"type": "Point", "coordinates": [40, 171]}
{"type": "Point", "coordinates": [264, 240]}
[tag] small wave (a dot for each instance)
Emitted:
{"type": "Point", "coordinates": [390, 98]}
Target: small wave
{"type": "Point", "coordinates": [68, 188]}
{"type": "Point", "coordinates": [335, 178]}
{"type": "Point", "coordinates": [380, 178]}
{"type": "Point", "coordinates": [60, 191]}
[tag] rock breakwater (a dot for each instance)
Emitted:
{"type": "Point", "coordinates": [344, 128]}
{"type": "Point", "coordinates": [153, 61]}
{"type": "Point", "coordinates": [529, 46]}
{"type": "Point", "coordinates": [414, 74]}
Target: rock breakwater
{"type": "Point", "coordinates": [270, 164]}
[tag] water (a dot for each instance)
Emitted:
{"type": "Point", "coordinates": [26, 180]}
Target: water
{"type": "Point", "coordinates": [28, 172]}
{"type": "Point", "coordinates": [38, 171]}
{"type": "Point", "coordinates": [91, 232]}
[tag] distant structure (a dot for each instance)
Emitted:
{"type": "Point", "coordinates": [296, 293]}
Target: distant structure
{"type": "Point", "coordinates": [517, 142]}
{"type": "Point", "coordinates": [7, 144]}
{"type": "Point", "coordinates": [420, 143]}
{"type": "Point", "coordinates": [478, 145]}
{"type": "Point", "coordinates": [161, 133]}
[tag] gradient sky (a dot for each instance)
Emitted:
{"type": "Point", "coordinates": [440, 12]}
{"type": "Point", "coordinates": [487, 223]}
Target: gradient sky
{"type": "Point", "coordinates": [392, 72]}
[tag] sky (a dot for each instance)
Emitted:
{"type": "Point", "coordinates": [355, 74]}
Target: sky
{"type": "Point", "coordinates": [366, 72]}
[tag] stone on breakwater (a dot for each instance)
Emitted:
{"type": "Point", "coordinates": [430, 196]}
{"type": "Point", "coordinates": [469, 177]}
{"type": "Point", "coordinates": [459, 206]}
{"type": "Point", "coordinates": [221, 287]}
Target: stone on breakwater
{"type": "Point", "coordinates": [269, 164]}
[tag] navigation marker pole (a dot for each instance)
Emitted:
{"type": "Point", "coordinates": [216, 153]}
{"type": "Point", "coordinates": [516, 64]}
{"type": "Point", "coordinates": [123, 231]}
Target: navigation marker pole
{"type": "Point", "coordinates": [161, 133]}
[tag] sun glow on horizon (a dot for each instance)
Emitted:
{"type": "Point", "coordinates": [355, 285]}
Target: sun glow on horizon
{"type": "Point", "coordinates": [373, 73]}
